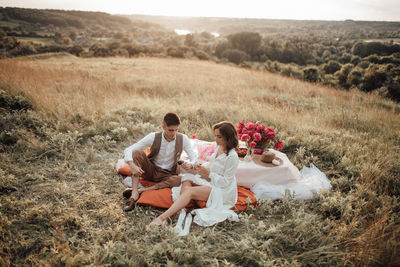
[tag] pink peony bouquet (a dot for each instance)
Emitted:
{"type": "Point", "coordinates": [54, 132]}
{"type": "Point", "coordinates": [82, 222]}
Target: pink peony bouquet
{"type": "Point", "coordinates": [205, 151]}
{"type": "Point", "coordinates": [257, 136]}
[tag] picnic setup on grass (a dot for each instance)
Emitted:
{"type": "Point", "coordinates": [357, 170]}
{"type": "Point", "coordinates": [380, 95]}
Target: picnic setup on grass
{"type": "Point", "coordinates": [263, 173]}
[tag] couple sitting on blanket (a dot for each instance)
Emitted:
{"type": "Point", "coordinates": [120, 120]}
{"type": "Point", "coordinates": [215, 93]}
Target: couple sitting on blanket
{"type": "Point", "coordinates": [213, 182]}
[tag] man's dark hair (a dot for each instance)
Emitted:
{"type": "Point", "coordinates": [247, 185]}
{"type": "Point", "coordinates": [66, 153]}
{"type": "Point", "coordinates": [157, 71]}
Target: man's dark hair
{"type": "Point", "coordinates": [171, 119]}
{"type": "Point", "coordinates": [228, 131]}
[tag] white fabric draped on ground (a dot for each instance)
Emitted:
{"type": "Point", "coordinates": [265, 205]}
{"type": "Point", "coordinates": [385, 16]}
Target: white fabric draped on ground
{"type": "Point", "coordinates": [312, 181]}
{"type": "Point", "coordinates": [273, 182]}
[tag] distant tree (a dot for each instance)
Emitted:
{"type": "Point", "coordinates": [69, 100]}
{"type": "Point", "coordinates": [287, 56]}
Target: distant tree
{"type": "Point", "coordinates": [373, 59]}
{"type": "Point", "coordinates": [190, 41]}
{"type": "Point", "coordinates": [58, 37]}
{"type": "Point", "coordinates": [248, 42]}
{"type": "Point", "coordinates": [235, 56]}
{"type": "Point", "coordinates": [206, 36]}
{"type": "Point", "coordinates": [272, 49]}
{"type": "Point", "coordinates": [221, 47]}
{"type": "Point", "coordinates": [72, 35]}
{"type": "Point", "coordinates": [342, 75]}
{"type": "Point", "coordinates": [99, 51]}
{"type": "Point", "coordinates": [326, 54]}
{"type": "Point", "coordinates": [133, 50]}
{"type": "Point", "coordinates": [345, 58]}
{"type": "Point", "coordinates": [113, 46]}
{"type": "Point", "coordinates": [363, 64]}
{"type": "Point", "coordinates": [364, 49]}
{"type": "Point", "coordinates": [2, 33]}
{"type": "Point", "coordinates": [118, 35]}
{"type": "Point", "coordinates": [355, 76]}
{"type": "Point", "coordinates": [66, 40]}
{"type": "Point", "coordinates": [292, 70]}
{"type": "Point", "coordinates": [355, 60]}
{"type": "Point", "coordinates": [76, 50]}
{"type": "Point", "coordinates": [50, 49]}
{"type": "Point", "coordinates": [311, 74]}
{"type": "Point", "coordinates": [172, 41]}
{"type": "Point", "coordinates": [332, 66]}
{"type": "Point", "coordinates": [360, 49]}
{"type": "Point", "coordinates": [8, 43]}
{"type": "Point", "coordinates": [393, 83]}
{"type": "Point", "coordinates": [374, 78]}
{"type": "Point", "coordinates": [178, 52]}
{"type": "Point", "coordinates": [23, 50]}
{"type": "Point", "coordinates": [201, 55]}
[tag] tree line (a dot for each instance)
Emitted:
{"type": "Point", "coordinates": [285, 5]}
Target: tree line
{"type": "Point", "coordinates": [334, 58]}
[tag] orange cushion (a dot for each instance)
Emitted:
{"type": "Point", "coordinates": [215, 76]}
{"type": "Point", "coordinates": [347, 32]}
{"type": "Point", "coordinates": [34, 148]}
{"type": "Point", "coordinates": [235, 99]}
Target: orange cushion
{"type": "Point", "coordinates": [125, 170]}
{"type": "Point", "coordinates": [162, 198]}
{"type": "Point", "coordinates": [241, 203]}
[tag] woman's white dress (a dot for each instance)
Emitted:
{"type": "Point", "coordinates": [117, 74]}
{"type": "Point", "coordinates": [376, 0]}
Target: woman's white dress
{"type": "Point", "coordinates": [223, 185]}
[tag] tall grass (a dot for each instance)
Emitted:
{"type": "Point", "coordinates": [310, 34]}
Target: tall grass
{"type": "Point", "coordinates": [87, 110]}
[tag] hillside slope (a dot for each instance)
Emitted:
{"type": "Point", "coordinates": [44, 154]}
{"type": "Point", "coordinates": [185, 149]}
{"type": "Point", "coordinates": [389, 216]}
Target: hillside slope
{"type": "Point", "coordinates": [65, 121]}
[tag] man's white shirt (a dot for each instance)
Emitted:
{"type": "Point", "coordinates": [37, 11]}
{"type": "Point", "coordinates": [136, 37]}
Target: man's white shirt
{"type": "Point", "coordinates": [165, 158]}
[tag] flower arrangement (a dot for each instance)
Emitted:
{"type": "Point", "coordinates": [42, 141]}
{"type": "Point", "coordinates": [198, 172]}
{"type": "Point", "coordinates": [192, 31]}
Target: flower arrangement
{"type": "Point", "coordinates": [205, 150]}
{"type": "Point", "coordinates": [257, 136]}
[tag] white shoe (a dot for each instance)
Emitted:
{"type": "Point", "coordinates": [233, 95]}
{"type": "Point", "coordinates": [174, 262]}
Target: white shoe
{"type": "Point", "coordinates": [179, 224]}
{"type": "Point", "coordinates": [188, 222]}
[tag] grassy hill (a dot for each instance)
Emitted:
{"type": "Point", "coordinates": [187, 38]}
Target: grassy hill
{"type": "Point", "coordinates": [66, 120]}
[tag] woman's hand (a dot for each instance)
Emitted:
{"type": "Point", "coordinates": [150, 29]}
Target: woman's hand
{"type": "Point", "coordinates": [203, 171]}
{"type": "Point", "coordinates": [187, 166]}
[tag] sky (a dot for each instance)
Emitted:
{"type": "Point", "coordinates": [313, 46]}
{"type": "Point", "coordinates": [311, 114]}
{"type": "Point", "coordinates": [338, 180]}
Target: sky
{"type": "Point", "coordinates": [378, 10]}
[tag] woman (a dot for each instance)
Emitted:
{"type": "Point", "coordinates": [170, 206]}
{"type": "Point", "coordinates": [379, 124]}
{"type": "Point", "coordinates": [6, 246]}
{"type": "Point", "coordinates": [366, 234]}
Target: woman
{"type": "Point", "coordinates": [214, 182]}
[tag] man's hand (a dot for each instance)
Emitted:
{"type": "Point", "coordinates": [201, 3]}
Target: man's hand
{"type": "Point", "coordinates": [135, 170]}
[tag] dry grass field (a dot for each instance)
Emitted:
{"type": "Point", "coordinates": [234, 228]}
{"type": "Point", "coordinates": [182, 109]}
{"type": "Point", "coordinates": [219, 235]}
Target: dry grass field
{"type": "Point", "coordinates": [66, 120]}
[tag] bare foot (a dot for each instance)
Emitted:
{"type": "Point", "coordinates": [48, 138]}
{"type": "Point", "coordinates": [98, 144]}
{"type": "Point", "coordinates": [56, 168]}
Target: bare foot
{"type": "Point", "coordinates": [157, 221]}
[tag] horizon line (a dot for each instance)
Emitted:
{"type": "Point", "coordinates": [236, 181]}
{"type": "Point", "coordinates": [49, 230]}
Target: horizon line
{"type": "Point", "coordinates": [205, 16]}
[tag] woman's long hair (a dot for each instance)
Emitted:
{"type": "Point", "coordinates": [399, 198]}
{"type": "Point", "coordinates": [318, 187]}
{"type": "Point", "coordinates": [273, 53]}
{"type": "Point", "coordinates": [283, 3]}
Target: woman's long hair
{"type": "Point", "coordinates": [228, 131]}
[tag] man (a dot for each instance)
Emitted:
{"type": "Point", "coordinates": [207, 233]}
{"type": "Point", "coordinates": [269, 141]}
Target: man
{"type": "Point", "coordinates": [161, 164]}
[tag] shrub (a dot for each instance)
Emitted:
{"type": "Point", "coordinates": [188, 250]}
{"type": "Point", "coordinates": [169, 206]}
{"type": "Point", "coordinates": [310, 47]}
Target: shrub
{"type": "Point", "coordinates": [177, 51]}
{"type": "Point", "coordinates": [248, 42]}
{"type": "Point", "coordinates": [221, 48]}
{"type": "Point", "coordinates": [332, 66]}
{"type": "Point", "coordinates": [363, 64]}
{"type": "Point", "coordinates": [355, 60]}
{"type": "Point", "coordinates": [355, 76]}
{"type": "Point", "coordinates": [374, 78]}
{"type": "Point", "coordinates": [373, 59]}
{"type": "Point", "coordinates": [76, 50]}
{"type": "Point", "coordinates": [311, 74]}
{"type": "Point", "coordinates": [343, 74]}
{"type": "Point", "coordinates": [201, 55]}
{"type": "Point", "coordinates": [235, 56]}
{"type": "Point", "coordinates": [190, 41]}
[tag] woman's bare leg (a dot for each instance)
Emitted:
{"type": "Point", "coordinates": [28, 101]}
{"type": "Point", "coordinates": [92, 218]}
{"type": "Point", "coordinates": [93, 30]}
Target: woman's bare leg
{"type": "Point", "coordinates": [194, 192]}
{"type": "Point", "coordinates": [186, 185]}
